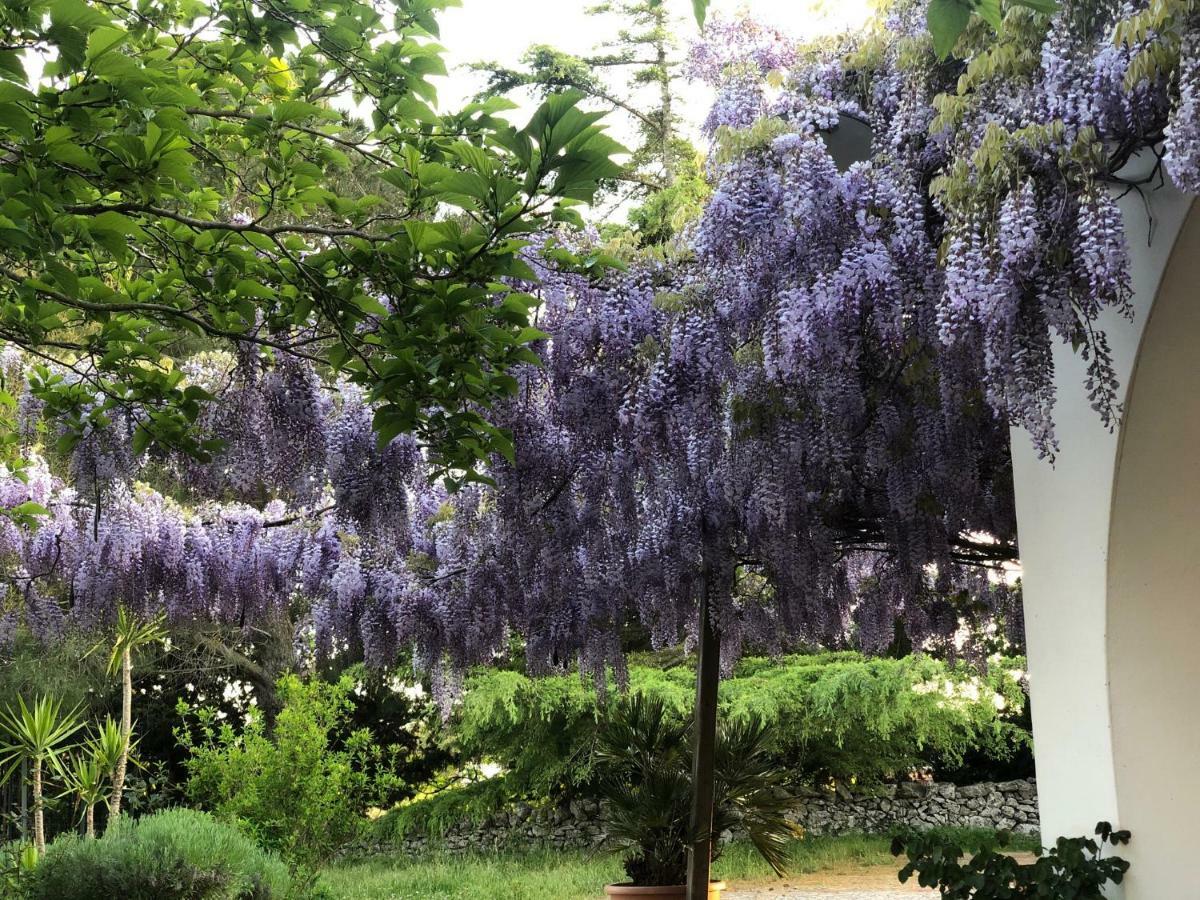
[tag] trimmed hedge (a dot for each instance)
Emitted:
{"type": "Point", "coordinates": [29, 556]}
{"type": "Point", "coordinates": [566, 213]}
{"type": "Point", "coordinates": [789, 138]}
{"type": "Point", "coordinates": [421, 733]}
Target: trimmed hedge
{"type": "Point", "coordinates": [179, 854]}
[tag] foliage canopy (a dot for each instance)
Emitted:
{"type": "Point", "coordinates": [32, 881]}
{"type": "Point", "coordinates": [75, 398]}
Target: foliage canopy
{"type": "Point", "coordinates": [833, 717]}
{"type": "Point", "coordinates": [181, 174]}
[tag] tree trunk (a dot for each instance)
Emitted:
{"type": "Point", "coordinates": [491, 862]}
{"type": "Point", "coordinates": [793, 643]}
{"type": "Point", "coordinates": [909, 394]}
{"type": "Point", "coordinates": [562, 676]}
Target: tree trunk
{"type": "Point", "coordinates": [90, 818]}
{"type": "Point", "coordinates": [39, 822]}
{"type": "Point", "coordinates": [664, 86]}
{"type": "Point", "coordinates": [118, 777]}
{"type": "Point", "coordinates": [24, 789]}
{"type": "Point", "coordinates": [708, 673]}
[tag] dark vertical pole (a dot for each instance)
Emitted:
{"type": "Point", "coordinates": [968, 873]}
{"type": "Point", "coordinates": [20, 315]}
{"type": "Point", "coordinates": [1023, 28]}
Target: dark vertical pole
{"type": "Point", "coordinates": [24, 800]}
{"type": "Point", "coordinates": [707, 682]}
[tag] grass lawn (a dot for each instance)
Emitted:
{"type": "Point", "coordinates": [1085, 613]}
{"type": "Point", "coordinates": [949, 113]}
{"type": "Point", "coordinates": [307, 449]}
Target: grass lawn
{"type": "Point", "coordinates": [546, 875]}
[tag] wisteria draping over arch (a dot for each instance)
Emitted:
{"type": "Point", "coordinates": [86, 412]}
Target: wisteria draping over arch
{"type": "Point", "coordinates": [806, 403]}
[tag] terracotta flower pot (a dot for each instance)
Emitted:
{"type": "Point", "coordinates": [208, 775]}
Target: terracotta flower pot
{"type": "Point", "coordinates": [667, 892]}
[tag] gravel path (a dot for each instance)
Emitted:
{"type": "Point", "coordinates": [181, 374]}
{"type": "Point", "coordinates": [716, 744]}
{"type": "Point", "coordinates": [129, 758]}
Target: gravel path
{"type": "Point", "coordinates": [860, 883]}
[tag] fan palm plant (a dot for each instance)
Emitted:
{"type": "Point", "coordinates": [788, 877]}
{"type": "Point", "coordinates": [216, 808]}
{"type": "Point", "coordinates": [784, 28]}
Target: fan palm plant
{"type": "Point", "coordinates": [753, 795]}
{"type": "Point", "coordinates": [132, 634]}
{"type": "Point", "coordinates": [38, 735]}
{"type": "Point", "coordinates": [643, 757]}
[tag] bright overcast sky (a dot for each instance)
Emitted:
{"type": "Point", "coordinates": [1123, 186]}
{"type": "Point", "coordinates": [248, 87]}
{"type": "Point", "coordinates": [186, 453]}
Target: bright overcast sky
{"type": "Point", "coordinates": [501, 30]}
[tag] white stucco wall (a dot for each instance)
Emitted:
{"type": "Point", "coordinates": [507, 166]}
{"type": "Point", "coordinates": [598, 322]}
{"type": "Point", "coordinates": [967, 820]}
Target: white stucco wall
{"type": "Point", "coordinates": [1154, 590]}
{"type": "Point", "coordinates": [1064, 519]}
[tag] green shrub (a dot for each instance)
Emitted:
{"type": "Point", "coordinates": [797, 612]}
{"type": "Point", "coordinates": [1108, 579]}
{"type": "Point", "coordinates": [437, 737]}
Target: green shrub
{"type": "Point", "coordinates": [844, 717]}
{"type": "Point", "coordinates": [178, 854]}
{"type": "Point", "coordinates": [541, 730]}
{"type": "Point", "coordinates": [443, 807]}
{"type": "Point", "coordinates": [837, 717]}
{"type": "Point", "coordinates": [17, 860]}
{"type": "Point", "coordinates": [1073, 869]}
{"type": "Point", "coordinates": [293, 787]}
{"type": "Point", "coordinates": [645, 762]}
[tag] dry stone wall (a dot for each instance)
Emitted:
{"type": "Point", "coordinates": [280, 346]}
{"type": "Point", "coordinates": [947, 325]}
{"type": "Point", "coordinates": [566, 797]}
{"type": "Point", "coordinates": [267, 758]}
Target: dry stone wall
{"type": "Point", "coordinates": [1008, 805]}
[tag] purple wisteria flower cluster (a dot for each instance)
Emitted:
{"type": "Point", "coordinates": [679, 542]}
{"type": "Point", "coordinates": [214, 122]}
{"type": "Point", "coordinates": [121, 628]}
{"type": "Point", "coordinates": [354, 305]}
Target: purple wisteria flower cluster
{"type": "Point", "coordinates": [801, 413]}
{"type": "Point", "coordinates": [1183, 132]}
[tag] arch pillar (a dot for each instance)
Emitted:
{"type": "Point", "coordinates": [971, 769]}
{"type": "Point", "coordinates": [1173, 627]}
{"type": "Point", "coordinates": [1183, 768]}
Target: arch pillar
{"type": "Point", "coordinates": [1110, 548]}
{"type": "Point", "coordinates": [1154, 588]}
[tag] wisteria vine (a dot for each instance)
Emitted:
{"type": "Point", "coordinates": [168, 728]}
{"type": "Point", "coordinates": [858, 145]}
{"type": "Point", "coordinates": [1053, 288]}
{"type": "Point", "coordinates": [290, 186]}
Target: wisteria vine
{"type": "Point", "coordinates": [802, 410]}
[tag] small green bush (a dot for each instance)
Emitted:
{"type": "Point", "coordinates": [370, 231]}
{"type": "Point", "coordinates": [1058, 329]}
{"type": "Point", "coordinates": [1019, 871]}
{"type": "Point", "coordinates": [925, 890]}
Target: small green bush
{"type": "Point", "coordinates": [17, 860]}
{"type": "Point", "coordinates": [292, 787]}
{"type": "Point", "coordinates": [1073, 869]}
{"type": "Point", "coordinates": [646, 781]}
{"type": "Point", "coordinates": [179, 854]}
{"type": "Point", "coordinates": [443, 807]}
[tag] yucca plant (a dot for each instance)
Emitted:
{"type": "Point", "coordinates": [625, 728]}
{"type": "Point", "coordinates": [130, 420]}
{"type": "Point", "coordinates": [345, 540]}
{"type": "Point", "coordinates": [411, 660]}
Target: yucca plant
{"type": "Point", "coordinates": [107, 744]}
{"type": "Point", "coordinates": [36, 734]}
{"type": "Point", "coordinates": [132, 634]}
{"type": "Point", "coordinates": [643, 756]}
{"type": "Point", "coordinates": [85, 777]}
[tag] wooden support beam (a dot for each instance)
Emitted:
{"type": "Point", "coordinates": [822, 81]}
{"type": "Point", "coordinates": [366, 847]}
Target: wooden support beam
{"type": "Point", "coordinates": [708, 672]}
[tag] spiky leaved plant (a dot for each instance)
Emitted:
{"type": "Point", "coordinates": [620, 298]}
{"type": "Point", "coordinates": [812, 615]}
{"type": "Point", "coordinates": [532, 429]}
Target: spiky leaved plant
{"type": "Point", "coordinates": [85, 776]}
{"type": "Point", "coordinates": [643, 754]}
{"type": "Point", "coordinates": [36, 734]}
{"type": "Point", "coordinates": [132, 634]}
{"type": "Point", "coordinates": [107, 744]}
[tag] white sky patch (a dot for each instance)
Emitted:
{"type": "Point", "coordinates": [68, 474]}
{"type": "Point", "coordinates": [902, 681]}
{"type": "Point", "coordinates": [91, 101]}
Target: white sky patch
{"type": "Point", "coordinates": [501, 31]}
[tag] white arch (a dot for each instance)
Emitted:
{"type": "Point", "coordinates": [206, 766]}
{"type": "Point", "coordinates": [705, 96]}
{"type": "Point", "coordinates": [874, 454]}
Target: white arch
{"type": "Point", "coordinates": [1154, 588]}
{"type": "Point", "coordinates": [1101, 642]}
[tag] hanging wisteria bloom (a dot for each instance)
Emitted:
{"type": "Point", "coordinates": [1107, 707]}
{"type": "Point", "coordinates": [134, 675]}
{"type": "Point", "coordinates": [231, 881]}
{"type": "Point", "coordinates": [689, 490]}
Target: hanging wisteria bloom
{"type": "Point", "coordinates": [801, 413]}
{"type": "Point", "coordinates": [1183, 132]}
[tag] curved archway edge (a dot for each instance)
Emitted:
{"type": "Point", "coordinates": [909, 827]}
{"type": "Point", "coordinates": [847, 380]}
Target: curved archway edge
{"type": "Point", "coordinates": [1110, 547]}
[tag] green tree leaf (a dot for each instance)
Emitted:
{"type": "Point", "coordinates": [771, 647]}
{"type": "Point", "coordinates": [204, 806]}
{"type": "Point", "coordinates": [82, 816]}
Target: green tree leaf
{"type": "Point", "coordinates": [989, 11]}
{"type": "Point", "coordinates": [1047, 7]}
{"type": "Point", "coordinates": [947, 20]}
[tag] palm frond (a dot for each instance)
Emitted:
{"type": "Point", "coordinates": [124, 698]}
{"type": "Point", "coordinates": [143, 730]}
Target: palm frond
{"type": "Point", "coordinates": [131, 634]}
{"type": "Point", "coordinates": [37, 730]}
{"type": "Point", "coordinates": [644, 755]}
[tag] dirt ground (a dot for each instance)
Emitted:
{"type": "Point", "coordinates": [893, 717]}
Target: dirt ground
{"type": "Point", "coordinates": [850, 883]}
{"type": "Point", "coordinates": [857, 883]}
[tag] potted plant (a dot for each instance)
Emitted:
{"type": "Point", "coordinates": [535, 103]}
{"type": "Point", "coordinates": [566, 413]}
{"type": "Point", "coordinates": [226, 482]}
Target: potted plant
{"type": "Point", "coordinates": [643, 759]}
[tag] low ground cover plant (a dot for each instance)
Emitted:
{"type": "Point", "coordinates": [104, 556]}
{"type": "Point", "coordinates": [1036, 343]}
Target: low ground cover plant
{"type": "Point", "coordinates": [177, 854]}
